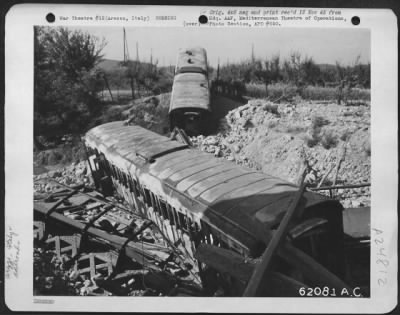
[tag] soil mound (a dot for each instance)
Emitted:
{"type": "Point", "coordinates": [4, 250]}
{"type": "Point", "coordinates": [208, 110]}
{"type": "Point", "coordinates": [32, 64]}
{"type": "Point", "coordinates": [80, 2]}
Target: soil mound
{"type": "Point", "coordinates": [326, 143]}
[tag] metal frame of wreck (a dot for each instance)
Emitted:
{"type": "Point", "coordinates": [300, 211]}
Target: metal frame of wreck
{"type": "Point", "coordinates": [330, 188]}
{"type": "Point", "coordinates": [125, 246]}
{"type": "Point", "coordinates": [256, 274]}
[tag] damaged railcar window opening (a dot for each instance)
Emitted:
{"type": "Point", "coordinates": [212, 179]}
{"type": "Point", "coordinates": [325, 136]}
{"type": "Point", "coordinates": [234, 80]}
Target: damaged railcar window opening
{"type": "Point", "coordinates": [201, 223]}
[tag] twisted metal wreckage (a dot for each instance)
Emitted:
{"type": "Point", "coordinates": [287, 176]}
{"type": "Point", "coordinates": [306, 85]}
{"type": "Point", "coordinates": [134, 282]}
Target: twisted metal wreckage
{"type": "Point", "coordinates": [222, 227]}
{"type": "Point", "coordinates": [228, 227]}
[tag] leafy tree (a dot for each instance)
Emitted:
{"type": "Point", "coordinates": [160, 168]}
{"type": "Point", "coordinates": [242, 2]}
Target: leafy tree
{"type": "Point", "coordinates": [66, 82]}
{"type": "Point", "coordinates": [268, 71]}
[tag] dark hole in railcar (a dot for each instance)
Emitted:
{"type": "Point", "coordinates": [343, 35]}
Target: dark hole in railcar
{"type": "Point", "coordinates": [114, 172]}
{"type": "Point", "coordinates": [107, 188]}
{"type": "Point", "coordinates": [181, 220]}
{"type": "Point", "coordinates": [147, 197]}
{"type": "Point", "coordinates": [136, 187]}
{"type": "Point", "coordinates": [119, 176]}
{"type": "Point", "coordinates": [154, 202]}
{"type": "Point", "coordinates": [194, 121]}
{"type": "Point", "coordinates": [173, 215]}
{"type": "Point", "coordinates": [126, 180]}
{"type": "Point", "coordinates": [166, 213]}
{"type": "Point", "coordinates": [133, 185]}
{"type": "Point", "coordinates": [106, 165]}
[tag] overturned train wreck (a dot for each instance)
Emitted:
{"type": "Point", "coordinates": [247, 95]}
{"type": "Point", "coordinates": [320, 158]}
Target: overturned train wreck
{"type": "Point", "coordinates": [240, 232]}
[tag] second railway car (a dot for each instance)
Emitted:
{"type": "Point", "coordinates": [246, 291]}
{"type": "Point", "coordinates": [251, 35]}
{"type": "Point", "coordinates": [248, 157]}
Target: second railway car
{"type": "Point", "coordinates": [197, 199]}
{"type": "Point", "coordinates": [190, 99]}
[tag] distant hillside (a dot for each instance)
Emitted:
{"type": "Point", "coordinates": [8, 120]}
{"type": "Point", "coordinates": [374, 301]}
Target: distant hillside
{"type": "Point", "coordinates": [108, 65]}
{"type": "Point", "coordinates": [326, 67]}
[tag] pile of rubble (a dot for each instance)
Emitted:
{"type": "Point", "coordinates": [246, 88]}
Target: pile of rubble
{"type": "Point", "coordinates": [328, 143]}
{"type": "Point", "coordinates": [53, 276]}
{"type": "Point", "coordinates": [73, 174]}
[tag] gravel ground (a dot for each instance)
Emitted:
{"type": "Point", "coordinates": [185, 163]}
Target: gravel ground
{"type": "Point", "coordinates": [283, 139]}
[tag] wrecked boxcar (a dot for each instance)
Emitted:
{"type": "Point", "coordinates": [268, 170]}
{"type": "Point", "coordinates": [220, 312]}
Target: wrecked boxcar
{"type": "Point", "coordinates": [190, 98]}
{"type": "Point", "coordinates": [245, 232]}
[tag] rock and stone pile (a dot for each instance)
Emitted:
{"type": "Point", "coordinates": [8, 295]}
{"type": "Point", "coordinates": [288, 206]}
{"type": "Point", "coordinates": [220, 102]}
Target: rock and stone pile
{"type": "Point", "coordinates": [73, 174]}
{"type": "Point", "coordinates": [286, 140]}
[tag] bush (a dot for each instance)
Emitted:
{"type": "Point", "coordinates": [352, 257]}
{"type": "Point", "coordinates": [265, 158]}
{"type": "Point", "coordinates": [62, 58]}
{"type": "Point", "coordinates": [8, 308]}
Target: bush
{"type": "Point", "coordinates": [315, 135]}
{"type": "Point", "coordinates": [312, 140]}
{"type": "Point", "coordinates": [317, 122]}
{"type": "Point", "coordinates": [329, 139]}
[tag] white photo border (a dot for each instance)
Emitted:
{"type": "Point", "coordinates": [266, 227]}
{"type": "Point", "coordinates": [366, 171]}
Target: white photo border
{"type": "Point", "coordinates": [20, 21]}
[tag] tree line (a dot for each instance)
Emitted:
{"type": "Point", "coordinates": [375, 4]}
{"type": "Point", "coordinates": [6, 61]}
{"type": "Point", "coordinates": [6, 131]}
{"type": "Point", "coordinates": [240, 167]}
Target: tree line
{"type": "Point", "coordinates": [297, 70]}
{"type": "Point", "coordinates": [68, 79]}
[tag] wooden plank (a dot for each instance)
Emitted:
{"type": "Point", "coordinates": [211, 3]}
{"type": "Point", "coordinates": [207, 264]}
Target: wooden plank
{"type": "Point", "coordinates": [225, 260]}
{"type": "Point", "coordinates": [136, 251]}
{"type": "Point", "coordinates": [258, 274]}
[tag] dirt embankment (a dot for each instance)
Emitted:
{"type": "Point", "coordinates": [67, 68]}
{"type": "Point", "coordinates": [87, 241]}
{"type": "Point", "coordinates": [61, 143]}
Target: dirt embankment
{"type": "Point", "coordinates": [149, 112]}
{"type": "Point", "coordinates": [326, 143]}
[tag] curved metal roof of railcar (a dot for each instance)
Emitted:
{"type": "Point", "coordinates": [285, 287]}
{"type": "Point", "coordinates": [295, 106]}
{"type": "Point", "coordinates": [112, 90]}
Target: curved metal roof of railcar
{"type": "Point", "coordinates": [192, 59]}
{"type": "Point", "coordinates": [210, 187]}
{"type": "Point", "coordinates": [190, 90]}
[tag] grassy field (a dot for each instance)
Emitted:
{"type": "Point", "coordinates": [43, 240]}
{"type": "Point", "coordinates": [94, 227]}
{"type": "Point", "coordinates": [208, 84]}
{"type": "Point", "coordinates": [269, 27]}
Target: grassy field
{"type": "Point", "coordinates": [123, 95]}
{"type": "Point", "coordinates": [312, 93]}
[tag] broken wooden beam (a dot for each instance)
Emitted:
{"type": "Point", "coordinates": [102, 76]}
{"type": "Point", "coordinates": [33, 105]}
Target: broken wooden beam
{"type": "Point", "coordinates": [260, 270]}
{"type": "Point", "coordinates": [228, 262]}
{"type": "Point", "coordinates": [138, 252]}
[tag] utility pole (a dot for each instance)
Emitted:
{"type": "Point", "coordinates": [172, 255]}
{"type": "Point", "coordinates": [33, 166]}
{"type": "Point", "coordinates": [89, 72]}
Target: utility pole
{"type": "Point", "coordinates": [126, 51]}
{"type": "Point", "coordinates": [137, 52]}
{"type": "Point", "coordinates": [151, 56]}
{"type": "Point", "coordinates": [218, 70]}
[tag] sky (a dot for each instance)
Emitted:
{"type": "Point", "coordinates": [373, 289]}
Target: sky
{"type": "Point", "coordinates": [235, 44]}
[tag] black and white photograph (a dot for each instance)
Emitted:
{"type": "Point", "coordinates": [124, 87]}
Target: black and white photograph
{"type": "Point", "coordinates": [181, 162]}
{"type": "Point", "coordinates": [231, 156]}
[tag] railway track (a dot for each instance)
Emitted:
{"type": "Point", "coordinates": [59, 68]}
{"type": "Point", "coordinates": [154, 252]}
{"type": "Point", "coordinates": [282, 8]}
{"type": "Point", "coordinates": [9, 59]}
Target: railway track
{"type": "Point", "coordinates": [107, 248]}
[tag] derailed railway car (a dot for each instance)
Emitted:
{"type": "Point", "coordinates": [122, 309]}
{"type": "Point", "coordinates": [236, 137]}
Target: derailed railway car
{"type": "Point", "coordinates": [221, 215]}
{"type": "Point", "coordinates": [190, 98]}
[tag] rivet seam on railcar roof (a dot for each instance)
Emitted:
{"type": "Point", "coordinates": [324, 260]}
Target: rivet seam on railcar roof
{"type": "Point", "coordinates": [245, 197]}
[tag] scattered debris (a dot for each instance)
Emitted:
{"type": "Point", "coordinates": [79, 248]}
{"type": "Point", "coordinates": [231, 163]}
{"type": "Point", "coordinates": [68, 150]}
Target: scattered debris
{"type": "Point", "coordinates": [274, 138]}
